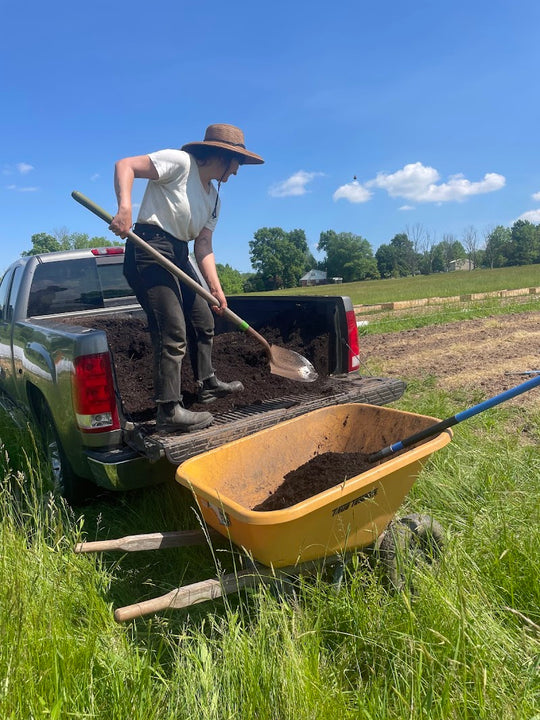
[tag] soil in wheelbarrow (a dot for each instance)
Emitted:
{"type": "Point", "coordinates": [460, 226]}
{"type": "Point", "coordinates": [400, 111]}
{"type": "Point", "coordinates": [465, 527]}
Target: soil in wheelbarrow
{"type": "Point", "coordinates": [315, 476]}
{"type": "Point", "coordinates": [236, 356]}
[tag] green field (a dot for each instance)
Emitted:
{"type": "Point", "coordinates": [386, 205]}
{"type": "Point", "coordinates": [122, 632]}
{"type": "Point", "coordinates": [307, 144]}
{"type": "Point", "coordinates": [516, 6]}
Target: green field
{"type": "Point", "coordinates": [372, 292]}
{"type": "Point", "coordinates": [465, 644]}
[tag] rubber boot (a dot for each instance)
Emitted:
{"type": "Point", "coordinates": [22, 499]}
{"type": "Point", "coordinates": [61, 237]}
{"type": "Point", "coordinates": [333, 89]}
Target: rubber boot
{"type": "Point", "coordinates": [211, 389]}
{"type": "Point", "coordinates": [172, 417]}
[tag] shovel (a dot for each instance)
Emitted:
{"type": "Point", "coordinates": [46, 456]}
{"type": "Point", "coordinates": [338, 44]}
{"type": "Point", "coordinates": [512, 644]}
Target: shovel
{"type": "Point", "coordinates": [454, 420]}
{"type": "Point", "coordinates": [283, 362]}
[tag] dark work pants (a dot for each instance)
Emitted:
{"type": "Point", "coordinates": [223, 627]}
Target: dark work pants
{"type": "Point", "coordinates": [178, 318]}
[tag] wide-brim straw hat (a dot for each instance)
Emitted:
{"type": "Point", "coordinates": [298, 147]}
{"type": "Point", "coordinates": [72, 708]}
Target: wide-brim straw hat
{"type": "Point", "coordinates": [227, 137]}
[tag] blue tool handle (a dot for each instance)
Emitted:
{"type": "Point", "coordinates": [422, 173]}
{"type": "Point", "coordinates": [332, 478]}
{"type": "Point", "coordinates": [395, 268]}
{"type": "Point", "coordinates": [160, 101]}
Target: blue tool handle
{"type": "Point", "coordinates": [455, 419]}
{"type": "Point", "coordinates": [497, 399]}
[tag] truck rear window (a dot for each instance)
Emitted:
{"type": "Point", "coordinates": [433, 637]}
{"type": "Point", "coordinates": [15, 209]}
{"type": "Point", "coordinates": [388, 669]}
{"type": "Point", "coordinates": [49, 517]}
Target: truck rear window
{"type": "Point", "coordinates": [73, 286]}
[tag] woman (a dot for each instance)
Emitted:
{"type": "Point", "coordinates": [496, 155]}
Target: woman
{"type": "Point", "coordinates": [180, 204]}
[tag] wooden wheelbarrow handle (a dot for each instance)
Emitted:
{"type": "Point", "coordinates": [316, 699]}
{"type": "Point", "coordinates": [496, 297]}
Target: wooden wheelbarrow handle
{"type": "Point", "coordinates": [191, 594]}
{"type": "Point", "coordinates": [149, 541]}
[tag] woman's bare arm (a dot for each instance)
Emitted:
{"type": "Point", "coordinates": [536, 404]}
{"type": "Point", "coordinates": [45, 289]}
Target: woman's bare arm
{"type": "Point", "coordinates": [204, 255]}
{"type": "Point", "coordinates": [125, 171]}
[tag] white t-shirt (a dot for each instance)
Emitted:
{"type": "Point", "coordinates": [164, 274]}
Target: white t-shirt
{"type": "Point", "coordinates": [177, 201]}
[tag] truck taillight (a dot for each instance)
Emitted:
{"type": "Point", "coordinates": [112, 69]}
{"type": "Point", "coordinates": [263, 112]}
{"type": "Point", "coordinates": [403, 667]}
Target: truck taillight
{"type": "Point", "coordinates": [353, 345]}
{"type": "Point", "coordinates": [93, 392]}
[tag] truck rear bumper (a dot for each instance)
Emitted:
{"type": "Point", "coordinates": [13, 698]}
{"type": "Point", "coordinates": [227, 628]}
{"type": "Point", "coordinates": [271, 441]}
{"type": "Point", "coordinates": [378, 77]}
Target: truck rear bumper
{"type": "Point", "coordinates": [125, 469]}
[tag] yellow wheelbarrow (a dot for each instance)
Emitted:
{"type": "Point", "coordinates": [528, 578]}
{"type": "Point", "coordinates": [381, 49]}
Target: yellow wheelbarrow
{"type": "Point", "coordinates": [228, 482]}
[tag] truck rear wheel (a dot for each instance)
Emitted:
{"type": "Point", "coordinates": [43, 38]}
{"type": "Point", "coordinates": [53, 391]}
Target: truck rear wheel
{"type": "Point", "coordinates": [64, 481]}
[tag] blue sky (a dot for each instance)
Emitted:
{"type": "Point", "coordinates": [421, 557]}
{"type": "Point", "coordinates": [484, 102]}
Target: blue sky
{"type": "Point", "coordinates": [373, 118]}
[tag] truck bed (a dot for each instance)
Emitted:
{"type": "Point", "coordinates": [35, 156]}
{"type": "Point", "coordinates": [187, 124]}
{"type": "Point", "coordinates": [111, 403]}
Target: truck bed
{"type": "Point", "coordinates": [249, 419]}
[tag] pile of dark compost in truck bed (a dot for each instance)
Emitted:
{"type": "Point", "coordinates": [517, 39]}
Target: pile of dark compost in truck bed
{"type": "Point", "coordinates": [236, 356]}
{"type": "Point", "coordinates": [315, 476]}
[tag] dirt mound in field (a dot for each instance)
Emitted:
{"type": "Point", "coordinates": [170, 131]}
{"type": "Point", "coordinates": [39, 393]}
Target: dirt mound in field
{"type": "Point", "coordinates": [483, 357]}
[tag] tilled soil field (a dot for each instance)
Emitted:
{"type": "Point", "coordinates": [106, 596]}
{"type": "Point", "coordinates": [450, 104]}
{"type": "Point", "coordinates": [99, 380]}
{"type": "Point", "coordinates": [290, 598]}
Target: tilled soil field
{"type": "Point", "coordinates": [483, 355]}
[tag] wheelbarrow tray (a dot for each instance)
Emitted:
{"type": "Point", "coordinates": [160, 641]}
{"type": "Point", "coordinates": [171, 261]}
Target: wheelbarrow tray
{"type": "Point", "coordinates": [228, 482]}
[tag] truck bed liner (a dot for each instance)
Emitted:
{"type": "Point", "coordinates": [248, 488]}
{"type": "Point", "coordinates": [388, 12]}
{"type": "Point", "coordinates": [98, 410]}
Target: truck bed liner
{"type": "Point", "coordinates": [247, 420]}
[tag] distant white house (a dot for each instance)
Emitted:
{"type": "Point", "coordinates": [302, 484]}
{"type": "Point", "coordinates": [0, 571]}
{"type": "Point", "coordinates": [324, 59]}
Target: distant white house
{"type": "Point", "coordinates": [314, 277]}
{"type": "Point", "coordinates": [460, 264]}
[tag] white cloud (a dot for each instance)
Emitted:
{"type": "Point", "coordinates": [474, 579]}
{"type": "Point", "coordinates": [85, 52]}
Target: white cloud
{"type": "Point", "coordinates": [419, 183]}
{"type": "Point", "coordinates": [295, 185]}
{"type": "Point", "coordinates": [407, 182]}
{"type": "Point", "coordinates": [407, 207]}
{"type": "Point", "coordinates": [536, 196]}
{"type": "Point", "coordinates": [24, 168]}
{"type": "Point", "coordinates": [94, 177]}
{"type": "Point", "coordinates": [19, 168]}
{"type": "Point", "coordinates": [354, 192]}
{"type": "Point", "coordinates": [532, 216]}
{"type": "Point", "coordinates": [18, 188]}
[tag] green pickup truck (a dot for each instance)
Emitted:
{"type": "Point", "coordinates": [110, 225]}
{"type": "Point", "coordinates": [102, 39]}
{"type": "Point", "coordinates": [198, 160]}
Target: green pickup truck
{"type": "Point", "coordinates": [59, 373]}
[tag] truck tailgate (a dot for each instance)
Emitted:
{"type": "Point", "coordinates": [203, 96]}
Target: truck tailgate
{"type": "Point", "coordinates": [247, 420]}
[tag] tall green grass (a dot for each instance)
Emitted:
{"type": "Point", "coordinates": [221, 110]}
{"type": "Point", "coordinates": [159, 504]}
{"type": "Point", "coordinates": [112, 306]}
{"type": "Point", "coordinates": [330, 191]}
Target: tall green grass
{"type": "Point", "coordinates": [466, 644]}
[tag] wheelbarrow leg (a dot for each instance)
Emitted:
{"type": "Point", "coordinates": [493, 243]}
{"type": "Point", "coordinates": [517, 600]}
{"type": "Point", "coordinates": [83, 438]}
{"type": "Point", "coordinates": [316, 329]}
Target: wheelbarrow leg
{"type": "Point", "coordinates": [191, 594]}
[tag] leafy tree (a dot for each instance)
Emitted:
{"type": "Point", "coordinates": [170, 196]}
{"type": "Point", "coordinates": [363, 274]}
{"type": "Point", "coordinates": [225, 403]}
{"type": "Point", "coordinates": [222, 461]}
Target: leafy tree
{"type": "Point", "coordinates": [63, 240]}
{"type": "Point", "coordinates": [43, 243]}
{"type": "Point", "coordinates": [298, 238]}
{"type": "Point", "coordinates": [348, 256]}
{"type": "Point", "coordinates": [450, 249]}
{"type": "Point", "coordinates": [438, 259]}
{"type": "Point", "coordinates": [524, 248]}
{"type": "Point", "coordinates": [406, 255]}
{"type": "Point", "coordinates": [497, 247]}
{"type": "Point", "coordinates": [82, 240]}
{"type": "Point", "coordinates": [279, 257]}
{"type": "Point", "coordinates": [480, 258]}
{"type": "Point", "coordinates": [399, 258]}
{"type": "Point", "coordinates": [386, 261]}
{"type": "Point", "coordinates": [231, 280]}
{"type": "Point", "coordinates": [254, 283]}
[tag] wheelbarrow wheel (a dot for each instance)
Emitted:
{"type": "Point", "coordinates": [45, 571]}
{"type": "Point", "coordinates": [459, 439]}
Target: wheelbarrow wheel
{"type": "Point", "coordinates": [409, 542]}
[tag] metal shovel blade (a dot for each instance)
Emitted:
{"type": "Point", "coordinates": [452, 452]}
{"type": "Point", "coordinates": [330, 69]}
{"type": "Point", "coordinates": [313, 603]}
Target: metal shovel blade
{"type": "Point", "coordinates": [291, 365]}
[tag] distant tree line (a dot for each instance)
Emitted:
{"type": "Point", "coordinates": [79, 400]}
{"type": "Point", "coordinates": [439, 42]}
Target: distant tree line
{"type": "Point", "coordinates": [62, 239]}
{"type": "Point", "coordinates": [280, 258]}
